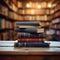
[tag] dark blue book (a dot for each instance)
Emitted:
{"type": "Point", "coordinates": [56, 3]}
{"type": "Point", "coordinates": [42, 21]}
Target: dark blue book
{"type": "Point", "coordinates": [57, 38]}
{"type": "Point", "coordinates": [28, 30]}
{"type": "Point", "coordinates": [28, 23]}
{"type": "Point", "coordinates": [24, 35]}
{"type": "Point", "coordinates": [31, 44]}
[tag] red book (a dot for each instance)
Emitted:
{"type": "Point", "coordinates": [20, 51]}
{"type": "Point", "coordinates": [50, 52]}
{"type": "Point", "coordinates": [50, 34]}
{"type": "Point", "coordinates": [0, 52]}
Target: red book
{"type": "Point", "coordinates": [31, 40]}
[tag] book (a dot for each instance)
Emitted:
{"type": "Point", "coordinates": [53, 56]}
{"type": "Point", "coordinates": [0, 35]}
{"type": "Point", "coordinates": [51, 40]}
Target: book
{"type": "Point", "coordinates": [31, 44]}
{"type": "Point", "coordinates": [28, 23]}
{"type": "Point", "coordinates": [31, 40]}
{"type": "Point", "coordinates": [28, 26]}
{"type": "Point", "coordinates": [21, 11]}
{"type": "Point", "coordinates": [4, 35]}
{"type": "Point", "coordinates": [28, 30]}
{"type": "Point", "coordinates": [51, 32]}
{"type": "Point", "coordinates": [19, 4]}
{"type": "Point", "coordinates": [31, 35]}
{"type": "Point", "coordinates": [3, 23]}
{"type": "Point", "coordinates": [20, 17]}
{"type": "Point", "coordinates": [8, 24]}
{"type": "Point", "coordinates": [28, 17]}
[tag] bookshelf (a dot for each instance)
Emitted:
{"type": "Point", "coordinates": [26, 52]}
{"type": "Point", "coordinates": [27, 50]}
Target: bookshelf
{"type": "Point", "coordinates": [8, 10]}
{"type": "Point", "coordinates": [55, 22]}
{"type": "Point", "coordinates": [12, 11]}
{"type": "Point", "coordinates": [28, 11]}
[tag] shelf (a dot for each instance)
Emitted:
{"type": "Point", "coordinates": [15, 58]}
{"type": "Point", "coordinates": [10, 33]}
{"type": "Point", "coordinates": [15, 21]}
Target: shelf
{"type": "Point", "coordinates": [7, 18]}
{"type": "Point", "coordinates": [56, 28]}
{"type": "Point", "coordinates": [35, 8]}
{"type": "Point", "coordinates": [3, 16]}
{"type": "Point", "coordinates": [34, 14]}
{"type": "Point", "coordinates": [56, 23]}
{"type": "Point", "coordinates": [56, 12]}
{"type": "Point", "coordinates": [5, 12]}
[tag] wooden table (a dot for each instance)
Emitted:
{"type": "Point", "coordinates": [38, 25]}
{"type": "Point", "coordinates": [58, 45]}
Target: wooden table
{"type": "Point", "coordinates": [22, 53]}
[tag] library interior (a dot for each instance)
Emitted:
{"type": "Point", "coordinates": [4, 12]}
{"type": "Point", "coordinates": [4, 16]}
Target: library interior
{"type": "Point", "coordinates": [30, 29]}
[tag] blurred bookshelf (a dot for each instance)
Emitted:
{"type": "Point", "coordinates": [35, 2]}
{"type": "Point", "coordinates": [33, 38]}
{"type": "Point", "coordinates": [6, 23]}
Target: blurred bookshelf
{"type": "Point", "coordinates": [55, 22]}
{"type": "Point", "coordinates": [7, 23]}
{"type": "Point", "coordinates": [12, 11]}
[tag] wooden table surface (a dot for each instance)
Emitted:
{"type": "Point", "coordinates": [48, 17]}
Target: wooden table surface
{"type": "Point", "coordinates": [9, 49]}
{"type": "Point", "coordinates": [29, 51]}
{"type": "Point", "coordinates": [9, 52]}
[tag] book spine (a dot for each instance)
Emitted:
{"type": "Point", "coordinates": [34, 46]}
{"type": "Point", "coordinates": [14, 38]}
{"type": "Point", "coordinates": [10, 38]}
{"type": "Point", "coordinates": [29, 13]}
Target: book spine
{"type": "Point", "coordinates": [28, 30]}
{"type": "Point", "coordinates": [32, 44]}
{"type": "Point", "coordinates": [31, 40]}
{"type": "Point", "coordinates": [28, 35]}
{"type": "Point", "coordinates": [28, 23]}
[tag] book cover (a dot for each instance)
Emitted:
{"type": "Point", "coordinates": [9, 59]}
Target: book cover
{"type": "Point", "coordinates": [28, 23]}
{"type": "Point", "coordinates": [26, 30]}
{"type": "Point", "coordinates": [32, 44]}
{"type": "Point", "coordinates": [31, 40]}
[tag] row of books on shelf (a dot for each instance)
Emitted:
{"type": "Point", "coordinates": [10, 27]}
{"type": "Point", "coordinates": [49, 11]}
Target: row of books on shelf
{"type": "Point", "coordinates": [32, 4]}
{"type": "Point", "coordinates": [10, 1]}
{"type": "Point", "coordinates": [5, 24]}
{"type": "Point", "coordinates": [34, 11]}
{"type": "Point", "coordinates": [8, 35]}
{"type": "Point", "coordinates": [11, 14]}
{"type": "Point", "coordinates": [34, 17]}
{"type": "Point", "coordinates": [5, 11]}
{"type": "Point", "coordinates": [57, 20]}
{"type": "Point", "coordinates": [45, 23]}
{"type": "Point", "coordinates": [53, 32]}
{"type": "Point", "coordinates": [11, 4]}
{"type": "Point", "coordinates": [56, 26]}
{"type": "Point", "coordinates": [57, 7]}
{"type": "Point", "coordinates": [57, 14]}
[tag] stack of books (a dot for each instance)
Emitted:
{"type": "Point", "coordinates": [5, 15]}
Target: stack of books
{"type": "Point", "coordinates": [29, 35]}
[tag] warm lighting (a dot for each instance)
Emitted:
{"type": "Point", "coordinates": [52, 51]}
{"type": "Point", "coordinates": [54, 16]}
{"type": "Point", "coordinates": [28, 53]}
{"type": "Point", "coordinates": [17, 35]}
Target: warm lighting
{"type": "Point", "coordinates": [19, 4]}
{"type": "Point", "coordinates": [39, 6]}
{"type": "Point", "coordinates": [49, 5]}
{"type": "Point", "coordinates": [43, 4]}
{"type": "Point", "coordinates": [45, 17]}
{"type": "Point", "coordinates": [52, 11]}
{"type": "Point", "coordinates": [32, 12]}
{"type": "Point", "coordinates": [14, 8]}
{"type": "Point", "coordinates": [27, 5]}
{"type": "Point", "coordinates": [54, 5]}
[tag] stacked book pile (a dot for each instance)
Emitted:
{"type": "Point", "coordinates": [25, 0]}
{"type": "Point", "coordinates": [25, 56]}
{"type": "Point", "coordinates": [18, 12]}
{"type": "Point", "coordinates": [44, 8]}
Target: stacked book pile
{"type": "Point", "coordinates": [30, 35]}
